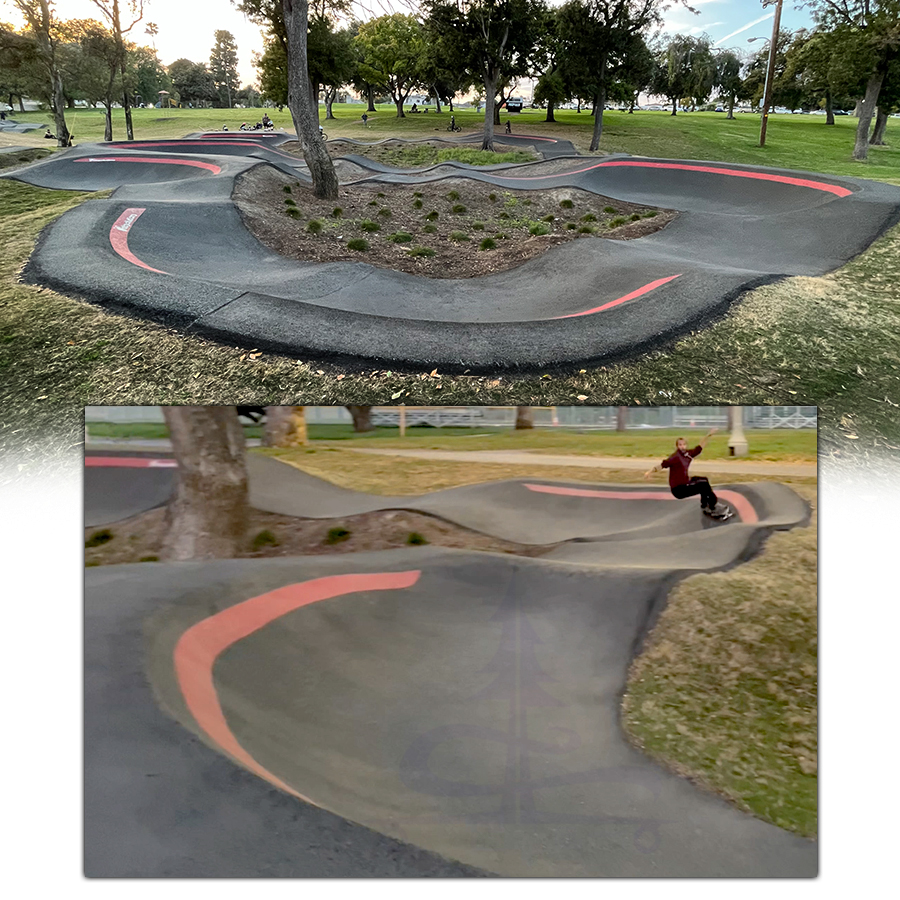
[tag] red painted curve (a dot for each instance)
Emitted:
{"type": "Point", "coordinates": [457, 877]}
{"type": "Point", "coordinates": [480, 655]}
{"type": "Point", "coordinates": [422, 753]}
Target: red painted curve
{"type": "Point", "coordinates": [652, 286]}
{"type": "Point", "coordinates": [224, 142]}
{"type": "Point", "coordinates": [130, 462]}
{"type": "Point", "coordinates": [742, 506]}
{"type": "Point", "coordinates": [199, 647]}
{"type": "Point", "coordinates": [118, 238]}
{"type": "Point", "coordinates": [194, 163]}
{"type": "Point", "coordinates": [715, 170]}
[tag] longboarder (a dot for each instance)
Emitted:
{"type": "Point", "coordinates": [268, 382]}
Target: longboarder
{"type": "Point", "coordinates": [683, 485]}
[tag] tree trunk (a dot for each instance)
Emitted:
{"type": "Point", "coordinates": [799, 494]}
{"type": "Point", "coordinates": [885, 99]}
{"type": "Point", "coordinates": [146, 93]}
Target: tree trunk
{"type": "Point", "coordinates": [731, 100]}
{"type": "Point", "coordinates": [285, 427]}
{"type": "Point", "coordinates": [621, 418]}
{"type": "Point", "coordinates": [675, 107]}
{"type": "Point", "coordinates": [330, 96]}
{"type": "Point", "coordinates": [881, 118]}
{"type": "Point", "coordinates": [362, 418]}
{"type": "Point", "coordinates": [399, 105]}
{"type": "Point", "coordinates": [437, 101]}
{"type": "Point", "coordinates": [208, 513]}
{"type": "Point", "coordinates": [856, 109]}
{"type": "Point", "coordinates": [829, 109]}
{"type": "Point", "coordinates": [370, 97]}
{"type": "Point", "coordinates": [304, 112]}
{"type": "Point", "coordinates": [550, 116]}
{"type": "Point", "coordinates": [866, 112]}
{"type": "Point", "coordinates": [107, 127]}
{"type": "Point", "coordinates": [490, 101]}
{"type": "Point", "coordinates": [524, 417]}
{"type": "Point", "coordinates": [599, 103]}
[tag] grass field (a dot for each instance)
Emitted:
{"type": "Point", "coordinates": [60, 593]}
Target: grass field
{"type": "Point", "coordinates": [794, 142]}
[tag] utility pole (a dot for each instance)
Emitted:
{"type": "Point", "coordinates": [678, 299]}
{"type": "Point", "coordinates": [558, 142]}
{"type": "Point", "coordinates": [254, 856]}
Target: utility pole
{"type": "Point", "coordinates": [737, 443]}
{"type": "Point", "coordinates": [770, 73]}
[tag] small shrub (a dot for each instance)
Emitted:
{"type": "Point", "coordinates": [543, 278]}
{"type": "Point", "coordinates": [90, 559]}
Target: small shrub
{"type": "Point", "coordinates": [503, 215]}
{"type": "Point", "coordinates": [98, 538]}
{"type": "Point", "coordinates": [588, 217]}
{"type": "Point", "coordinates": [609, 209]}
{"type": "Point", "coordinates": [294, 213]}
{"type": "Point", "coordinates": [373, 203]}
{"type": "Point", "coordinates": [400, 237]}
{"type": "Point", "coordinates": [586, 229]}
{"type": "Point", "coordinates": [570, 226]}
{"type": "Point", "coordinates": [421, 251]}
{"type": "Point", "coordinates": [478, 226]}
{"type": "Point", "coordinates": [458, 236]}
{"type": "Point", "coordinates": [380, 194]}
{"type": "Point", "coordinates": [287, 188]}
{"type": "Point", "coordinates": [453, 195]}
{"type": "Point", "coordinates": [650, 215]}
{"type": "Point", "coordinates": [539, 228]}
{"type": "Point", "coordinates": [458, 209]}
{"type": "Point", "coordinates": [488, 244]}
{"type": "Point", "coordinates": [615, 223]}
{"type": "Point", "coordinates": [526, 203]}
{"type": "Point", "coordinates": [336, 213]}
{"type": "Point", "coordinates": [149, 559]}
{"type": "Point", "coordinates": [264, 539]}
{"type": "Point", "coordinates": [566, 204]}
{"type": "Point", "coordinates": [289, 202]}
{"type": "Point", "coordinates": [432, 216]}
{"type": "Point", "coordinates": [359, 244]}
{"type": "Point", "coordinates": [314, 226]}
{"type": "Point", "coordinates": [634, 217]}
{"type": "Point", "coordinates": [548, 218]}
{"type": "Point", "coordinates": [93, 562]}
{"type": "Point", "coordinates": [384, 213]}
{"type": "Point", "coordinates": [416, 539]}
{"type": "Point", "coordinates": [336, 535]}
{"type": "Point", "coordinates": [369, 225]}
{"type": "Point", "coordinates": [492, 198]}
{"type": "Point", "coordinates": [430, 229]}
{"type": "Point", "coordinates": [417, 193]}
{"type": "Point", "coordinates": [501, 236]}
{"type": "Point", "coordinates": [417, 204]}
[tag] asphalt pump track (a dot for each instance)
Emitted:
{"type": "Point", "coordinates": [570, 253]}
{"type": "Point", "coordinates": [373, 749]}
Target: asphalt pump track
{"type": "Point", "coordinates": [416, 711]}
{"type": "Point", "coordinates": [170, 245]}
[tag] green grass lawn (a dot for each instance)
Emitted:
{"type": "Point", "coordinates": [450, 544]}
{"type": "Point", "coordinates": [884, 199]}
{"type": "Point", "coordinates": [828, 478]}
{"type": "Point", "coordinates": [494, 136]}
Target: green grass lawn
{"type": "Point", "coordinates": [793, 141]}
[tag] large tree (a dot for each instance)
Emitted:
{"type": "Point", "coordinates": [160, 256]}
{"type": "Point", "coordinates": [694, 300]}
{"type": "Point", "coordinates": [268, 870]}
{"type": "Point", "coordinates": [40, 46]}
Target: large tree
{"type": "Point", "coordinates": [728, 78]}
{"type": "Point", "coordinates": [20, 66]}
{"type": "Point", "coordinates": [43, 24]}
{"type": "Point", "coordinates": [208, 514]}
{"type": "Point", "coordinates": [873, 26]}
{"type": "Point", "coordinates": [99, 44]}
{"type": "Point", "coordinates": [285, 427]}
{"type": "Point", "coordinates": [362, 418]}
{"type": "Point", "coordinates": [134, 11]}
{"type": "Point", "coordinates": [686, 70]}
{"type": "Point", "coordinates": [223, 60]}
{"type": "Point", "coordinates": [392, 49]}
{"type": "Point", "coordinates": [192, 82]}
{"type": "Point", "coordinates": [495, 41]}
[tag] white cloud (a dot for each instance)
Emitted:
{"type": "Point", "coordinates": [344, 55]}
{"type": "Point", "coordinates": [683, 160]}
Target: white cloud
{"type": "Point", "coordinates": [744, 28]}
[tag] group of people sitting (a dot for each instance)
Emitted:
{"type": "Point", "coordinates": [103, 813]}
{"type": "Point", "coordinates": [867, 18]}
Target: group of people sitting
{"type": "Point", "coordinates": [50, 136]}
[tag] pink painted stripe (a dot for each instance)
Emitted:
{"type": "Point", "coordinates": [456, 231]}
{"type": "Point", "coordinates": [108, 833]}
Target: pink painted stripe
{"type": "Point", "coordinates": [715, 170]}
{"type": "Point", "coordinates": [652, 286]}
{"type": "Point", "coordinates": [130, 462]}
{"type": "Point", "coordinates": [197, 164]}
{"type": "Point", "coordinates": [118, 238]}
{"type": "Point", "coordinates": [200, 646]}
{"type": "Point", "coordinates": [742, 506]}
{"type": "Point", "coordinates": [224, 142]}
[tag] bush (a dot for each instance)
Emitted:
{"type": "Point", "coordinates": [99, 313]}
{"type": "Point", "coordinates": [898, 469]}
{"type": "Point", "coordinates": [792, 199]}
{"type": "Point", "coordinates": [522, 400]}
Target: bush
{"type": "Point", "coordinates": [369, 226]}
{"type": "Point", "coordinates": [458, 236]}
{"type": "Point", "coordinates": [488, 244]}
{"type": "Point", "coordinates": [421, 251]}
{"type": "Point", "coordinates": [336, 535]}
{"type": "Point", "coordinates": [264, 539]}
{"type": "Point", "coordinates": [287, 188]}
{"type": "Point", "coordinates": [430, 229]}
{"type": "Point", "coordinates": [358, 244]}
{"type": "Point", "coordinates": [373, 203]}
{"type": "Point", "coordinates": [615, 223]}
{"type": "Point", "coordinates": [650, 215]}
{"type": "Point", "coordinates": [526, 203]}
{"type": "Point", "coordinates": [586, 229]}
{"type": "Point", "coordinates": [294, 213]}
{"type": "Point", "coordinates": [548, 218]}
{"type": "Point", "coordinates": [566, 204]}
{"type": "Point", "coordinates": [384, 213]}
{"type": "Point", "coordinates": [453, 195]}
{"type": "Point", "coordinates": [501, 236]}
{"type": "Point", "coordinates": [289, 202]}
{"type": "Point", "coordinates": [539, 228]}
{"type": "Point", "coordinates": [609, 209]}
{"type": "Point", "coordinates": [570, 226]}
{"type": "Point", "coordinates": [314, 226]}
{"type": "Point", "coordinates": [492, 198]}
{"type": "Point", "coordinates": [416, 539]}
{"type": "Point", "coordinates": [98, 538]}
{"type": "Point", "coordinates": [432, 216]}
{"type": "Point", "coordinates": [503, 215]}
{"type": "Point", "coordinates": [458, 208]}
{"type": "Point", "coordinates": [588, 217]}
{"type": "Point", "coordinates": [417, 204]}
{"type": "Point", "coordinates": [417, 193]}
{"type": "Point", "coordinates": [634, 217]}
{"type": "Point", "coordinates": [478, 226]}
{"type": "Point", "coordinates": [380, 194]}
{"type": "Point", "coordinates": [400, 237]}
{"type": "Point", "coordinates": [336, 213]}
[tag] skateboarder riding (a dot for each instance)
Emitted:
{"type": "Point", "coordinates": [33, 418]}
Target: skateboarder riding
{"type": "Point", "coordinates": [682, 485]}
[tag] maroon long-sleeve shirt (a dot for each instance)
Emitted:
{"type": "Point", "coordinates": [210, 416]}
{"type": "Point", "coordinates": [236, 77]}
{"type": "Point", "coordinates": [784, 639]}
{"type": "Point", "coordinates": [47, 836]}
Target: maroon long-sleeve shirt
{"type": "Point", "coordinates": [678, 464]}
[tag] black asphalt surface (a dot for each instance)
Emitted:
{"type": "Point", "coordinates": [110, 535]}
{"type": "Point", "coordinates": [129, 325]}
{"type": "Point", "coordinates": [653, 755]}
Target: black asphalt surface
{"type": "Point", "coordinates": [189, 261]}
{"type": "Point", "coordinates": [470, 714]}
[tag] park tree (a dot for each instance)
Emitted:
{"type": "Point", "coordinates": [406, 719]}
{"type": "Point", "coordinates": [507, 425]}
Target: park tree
{"type": "Point", "coordinates": [100, 44]}
{"type": "Point", "coordinates": [551, 87]}
{"type": "Point", "coordinates": [208, 514]}
{"type": "Point", "coordinates": [223, 60]}
{"type": "Point", "coordinates": [888, 101]}
{"type": "Point", "coordinates": [392, 49]}
{"type": "Point", "coordinates": [152, 30]}
{"type": "Point", "coordinates": [192, 82]}
{"type": "Point", "coordinates": [147, 76]}
{"type": "Point", "coordinates": [784, 88]}
{"type": "Point", "coordinates": [134, 13]}
{"type": "Point", "coordinates": [494, 41]}
{"type": "Point", "coordinates": [524, 418]}
{"type": "Point", "coordinates": [19, 65]}
{"type": "Point", "coordinates": [362, 418]}
{"type": "Point", "coordinates": [873, 26]}
{"type": "Point", "coordinates": [41, 18]}
{"type": "Point", "coordinates": [332, 60]}
{"type": "Point", "coordinates": [285, 427]}
{"type": "Point", "coordinates": [686, 70]}
{"type": "Point", "coordinates": [728, 79]}
{"type": "Point", "coordinates": [271, 69]}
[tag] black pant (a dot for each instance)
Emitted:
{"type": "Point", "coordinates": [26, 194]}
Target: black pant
{"type": "Point", "coordinates": [697, 485]}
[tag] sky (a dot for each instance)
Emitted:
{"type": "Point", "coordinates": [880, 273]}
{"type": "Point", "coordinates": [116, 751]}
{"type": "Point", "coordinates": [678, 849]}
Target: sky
{"type": "Point", "coordinates": [187, 27]}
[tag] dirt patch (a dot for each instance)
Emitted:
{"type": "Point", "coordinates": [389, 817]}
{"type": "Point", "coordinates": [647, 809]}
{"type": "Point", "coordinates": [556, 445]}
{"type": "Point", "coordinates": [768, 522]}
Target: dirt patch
{"type": "Point", "coordinates": [404, 154]}
{"type": "Point", "coordinates": [454, 228]}
{"type": "Point", "coordinates": [140, 538]}
{"type": "Point", "coordinates": [11, 159]}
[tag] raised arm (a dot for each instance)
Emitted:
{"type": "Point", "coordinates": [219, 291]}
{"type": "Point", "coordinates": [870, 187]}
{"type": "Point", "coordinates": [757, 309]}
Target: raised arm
{"type": "Point", "coordinates": [708, 435]}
